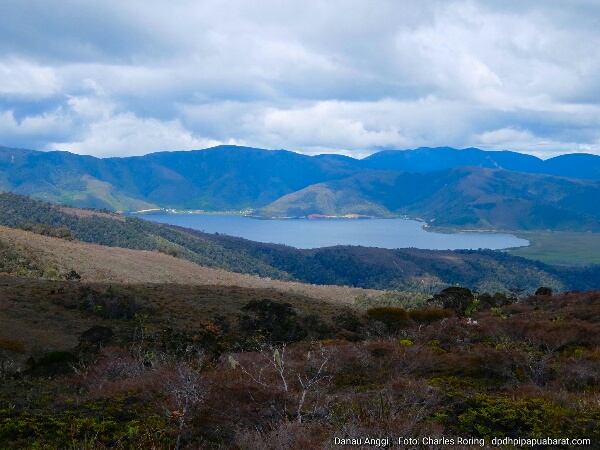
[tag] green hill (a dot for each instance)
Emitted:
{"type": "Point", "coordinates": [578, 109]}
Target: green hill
{"type": "Point", "coordinates": [404, 269]}
{"type": "Point", "coordinates": [221, 178]}
{"type": "Point", "coordinates": [505, 190]}
{"type": "Point", "coordinates": [463, 197]}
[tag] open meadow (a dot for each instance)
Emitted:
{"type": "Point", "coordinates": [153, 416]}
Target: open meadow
{"type": "Point", "coordinates": [560, 247]}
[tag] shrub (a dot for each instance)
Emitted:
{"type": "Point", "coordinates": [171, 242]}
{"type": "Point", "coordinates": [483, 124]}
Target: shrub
{"type": "Point", "coordinates": [347, 321]}
{"type": "Point", "coordinates": [544, 290]}
{"type": "Point", "coordinates": [274, 321]}
{"type": "Point", "coordinates": [394, 318]}
{"type": "Point", "coordinates": [97, 336]}
{"type": "Point", "coordinates": [111, 304]}
{"type": "Point", "coordinates": [72, 276]}
{"type": "Point", "coordinates": [486, 416]}
{"type": "Point", "coordinates": [487, 301]}
{"type": "Point", "coordinates": [52, 364]}
{"type": "Point", "coordinates": [455, 298]}
{"type": "Point", "coordinates": [428, 314]}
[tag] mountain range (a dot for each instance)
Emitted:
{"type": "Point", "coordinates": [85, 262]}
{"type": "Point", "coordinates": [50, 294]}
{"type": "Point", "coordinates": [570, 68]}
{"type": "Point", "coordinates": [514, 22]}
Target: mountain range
{"type": "Point", "coordinates": [468, 188]}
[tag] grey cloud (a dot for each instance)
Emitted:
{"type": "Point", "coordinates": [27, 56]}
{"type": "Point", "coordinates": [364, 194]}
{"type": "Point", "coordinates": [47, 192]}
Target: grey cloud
{"type": "Point", "coordinates": [70, 31]}
{"type": "Point", "coordinates": [339, 76]}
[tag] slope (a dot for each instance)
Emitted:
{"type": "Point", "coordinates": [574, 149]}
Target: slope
{"type": "Point", "coordinates": [220, 178]}
{"type": "Point", "coordinates": [54, 258]}
{"type": "Point", "coordinates": [465, 197]}
{"type": "Point", "coordinates": [425, 159]}
{"type": "Point", "coordinates": [372, 268]}
{"type": "Point", "coordinates": [228, 178]}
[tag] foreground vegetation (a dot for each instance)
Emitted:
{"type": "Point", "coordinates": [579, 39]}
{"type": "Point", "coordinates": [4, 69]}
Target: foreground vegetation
{"type": "Point", "coordinates": [167, 366]}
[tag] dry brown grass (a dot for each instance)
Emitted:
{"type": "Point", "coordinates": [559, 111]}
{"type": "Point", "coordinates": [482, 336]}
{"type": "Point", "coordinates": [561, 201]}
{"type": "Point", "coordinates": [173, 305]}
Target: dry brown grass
{"type": "Point", "coordinates": [101, 264]}
{"type": "Point", "coordinates": [28, 317]}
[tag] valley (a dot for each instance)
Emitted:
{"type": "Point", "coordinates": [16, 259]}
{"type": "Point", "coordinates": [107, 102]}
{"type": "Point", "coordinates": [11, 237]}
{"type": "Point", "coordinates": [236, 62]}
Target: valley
{"type": "Point", "coordinates": [117, 332]}
{"type": "Point", "coordinates": [468, 188]}
{"type": "Point", "coordinates": [269, 225]}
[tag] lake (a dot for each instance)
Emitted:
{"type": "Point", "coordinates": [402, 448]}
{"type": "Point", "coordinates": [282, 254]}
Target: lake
{"type": "Point", "coordinates": [304, 233]}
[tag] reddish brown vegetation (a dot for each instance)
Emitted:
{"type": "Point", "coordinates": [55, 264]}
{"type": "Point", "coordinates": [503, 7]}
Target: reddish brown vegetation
{"type": "Point", "coordinates": [527, 369]}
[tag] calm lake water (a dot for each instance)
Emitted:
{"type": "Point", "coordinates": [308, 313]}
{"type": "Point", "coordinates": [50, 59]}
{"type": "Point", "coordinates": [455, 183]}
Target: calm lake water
{"type": "Point", "coordinates": [303, 233]}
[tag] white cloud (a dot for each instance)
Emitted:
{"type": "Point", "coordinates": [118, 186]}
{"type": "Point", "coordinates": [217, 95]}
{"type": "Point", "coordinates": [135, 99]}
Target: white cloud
{"type": "Point", "coordinates": [360, 127]}
{"type": "Point", "coordinates": [347, 77]}
{"type": "Point", "coordinates": [22, 78]}
{"type": "Point", "coordinates": [40, 128]}
{"type": "Point", "coordinates": [127, 135]}
{"type": "Point", "coordinates": [526, 142]}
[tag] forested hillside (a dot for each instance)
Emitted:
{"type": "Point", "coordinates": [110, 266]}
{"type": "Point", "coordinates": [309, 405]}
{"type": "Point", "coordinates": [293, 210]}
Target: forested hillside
{"type": "Point", "coordinates": [223, 178]}
{"type": "Point", "coordinates": [404, 269]}
{"type": "Point", "coordinates": [127, 232]}
{"type": "Point", "coordinates": [464, 197]}
{"type": "Point", "coordinates": [448, 187]}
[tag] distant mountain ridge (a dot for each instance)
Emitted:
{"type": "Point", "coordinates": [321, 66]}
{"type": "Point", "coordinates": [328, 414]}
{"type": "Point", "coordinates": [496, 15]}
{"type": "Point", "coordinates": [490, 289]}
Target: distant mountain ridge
{"type": "Point", "coordinates": [423, 183]}
{"type": "Point", "coordinates": [425, 159]}
{"type": "Point", "coordinates": [466, 196]}
{"type": "Point", "coordinates": [221, 178]}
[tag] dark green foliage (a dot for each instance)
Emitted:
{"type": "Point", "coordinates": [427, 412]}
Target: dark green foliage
{"type": "Point", "coordinates": [208, 339]}
{"type": "Point", "coordinates": [214, 338]}
{"type": "Point", "coordinates": [544, 290]}
{"type": "Point", "coordinates": [223, 178]}
{"type": "Point", "coordinates": [491, 416]}
{"type": "Point", "coordinates": [394, 318]}
{"type": "Point", "coordinates": [375, 268]}
{"type": "Point", "coordinates": [436, 184]}
{"type": "Point", "coordinates": [428, 315]}
{"type": "Point", "coordinates": [348, 321]}
{"type": "Point", "coordinates": [93, 425]}
{"type": "Point", "coordinates": [111, 304]}
{"type": "Point", "coordinates": [62, 231]}
{"type": "Point", "coordinates": [52, 364]}
{"type": "Point", "coordinates": [72, 276]}
{"type": "Point", "coordinates": [460, 197]}
{"type": "Point", "coordinates": [482, 270]}
{"type": "Point", "coordinates": [528, 369]}
{"type": "Point", "coordinates": [316, 328]}
{"type": "Point", "coordinates": [458, 299]}
{"type": "Point", "coordinates": [130, 232]}
{"type": "Point", "coordinates": [487, 301]}
{"type": "Point", "coordinates": [273, 321]}
{"type": "Point", "coordinates": [97, 336]}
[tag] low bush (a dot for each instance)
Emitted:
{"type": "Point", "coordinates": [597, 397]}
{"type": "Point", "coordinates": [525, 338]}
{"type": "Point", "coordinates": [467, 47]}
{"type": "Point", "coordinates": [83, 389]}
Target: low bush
{"type": "Point", "coordinates": [395, 319]}
{"type": "Point", "coordinates": [428, 315]}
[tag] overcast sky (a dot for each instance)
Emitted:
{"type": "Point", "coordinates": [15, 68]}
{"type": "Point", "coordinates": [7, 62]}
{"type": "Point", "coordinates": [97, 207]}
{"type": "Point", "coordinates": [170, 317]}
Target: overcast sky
{"type": "Point", "coordinates": [119, 78]}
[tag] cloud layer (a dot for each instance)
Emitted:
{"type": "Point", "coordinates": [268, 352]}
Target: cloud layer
{"type": "Point", "coordinates": [115, 78]}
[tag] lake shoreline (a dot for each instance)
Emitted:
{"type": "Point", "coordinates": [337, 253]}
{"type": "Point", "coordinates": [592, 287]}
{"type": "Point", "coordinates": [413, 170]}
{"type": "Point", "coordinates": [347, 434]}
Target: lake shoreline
{"type": "Point", "coordinates": [323, 232]}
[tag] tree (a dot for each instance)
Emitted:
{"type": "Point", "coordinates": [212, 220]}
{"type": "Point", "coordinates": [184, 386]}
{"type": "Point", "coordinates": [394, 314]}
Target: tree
{"type": "Point", "coordinates": [187, 392]}
{"type": "Point", "coordinates": [308, 376]}
{"type": "Point", "coordinates": [275, 322]}
{"type": "Point", "coordinates": [458, 299]}
{"type": "Point", "coordinates": [544, 290]}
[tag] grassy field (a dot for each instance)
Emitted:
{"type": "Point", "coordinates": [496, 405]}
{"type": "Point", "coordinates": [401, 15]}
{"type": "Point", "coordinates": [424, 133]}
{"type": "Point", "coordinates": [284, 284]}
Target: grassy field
{"type": "Point", "coordinates": [565, 248]}
{"type": "Point", "coordinates": [101, 264]}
